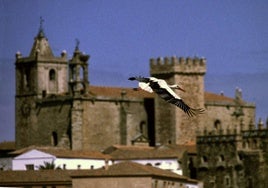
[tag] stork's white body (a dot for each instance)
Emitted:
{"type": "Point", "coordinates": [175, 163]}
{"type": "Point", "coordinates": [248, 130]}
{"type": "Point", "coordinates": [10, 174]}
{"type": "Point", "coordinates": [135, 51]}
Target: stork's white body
{"type": "Point", "coordinates": [159, 86]}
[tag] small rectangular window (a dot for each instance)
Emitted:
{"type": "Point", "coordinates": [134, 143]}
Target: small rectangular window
{"type": "Point", "coordinates": [29, 167]}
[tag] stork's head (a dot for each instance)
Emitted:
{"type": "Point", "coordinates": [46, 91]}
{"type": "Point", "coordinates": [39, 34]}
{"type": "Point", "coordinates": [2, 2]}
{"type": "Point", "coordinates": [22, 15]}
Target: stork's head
{"type": "Point", "coordinates": [176, 86]}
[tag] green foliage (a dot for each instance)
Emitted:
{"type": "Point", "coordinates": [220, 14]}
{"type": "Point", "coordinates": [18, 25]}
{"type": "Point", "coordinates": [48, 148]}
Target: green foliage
{"type": "Point", "coordinates": [49, 166]}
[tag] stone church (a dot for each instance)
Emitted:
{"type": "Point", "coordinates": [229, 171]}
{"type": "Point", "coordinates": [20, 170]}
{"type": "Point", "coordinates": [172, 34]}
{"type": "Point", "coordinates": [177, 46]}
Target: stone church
{"type": "Point", "coordinates": [57, 106]}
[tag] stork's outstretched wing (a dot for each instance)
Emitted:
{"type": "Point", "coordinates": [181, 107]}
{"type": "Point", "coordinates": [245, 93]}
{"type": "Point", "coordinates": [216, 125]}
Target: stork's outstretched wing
{"type": "Point", "coordinates": [161, 88]}
{"type": "Point", "coordinates": [173, 98]}
{"type": "Point", "coordinates": [187, 109]}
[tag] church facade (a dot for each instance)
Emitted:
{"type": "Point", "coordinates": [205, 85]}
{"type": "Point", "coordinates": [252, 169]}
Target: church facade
{"type": "Point", "coordinates": [56, 105]}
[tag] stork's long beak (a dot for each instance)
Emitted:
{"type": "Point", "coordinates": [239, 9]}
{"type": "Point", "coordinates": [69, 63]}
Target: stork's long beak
{"type": "Point", "coordinates": [179, 88]}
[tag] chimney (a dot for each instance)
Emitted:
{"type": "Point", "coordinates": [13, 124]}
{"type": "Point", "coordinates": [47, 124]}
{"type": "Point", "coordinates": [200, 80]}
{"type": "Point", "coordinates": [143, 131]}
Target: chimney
{"type": "Point", "coordinates": [106, 166]}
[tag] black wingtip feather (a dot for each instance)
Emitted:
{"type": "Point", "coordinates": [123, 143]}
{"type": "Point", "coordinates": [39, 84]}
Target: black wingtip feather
{"type": "Point", "coordinates": [194, 112]}
{"type": "Point", "coordinates": [132, 78]}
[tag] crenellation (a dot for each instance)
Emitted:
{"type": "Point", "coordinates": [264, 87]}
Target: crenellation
{"type": "Point", "coordinates": [179, 65]}
{"type": "Point", "coordinates": [181, 60]}
{"type": "Point", "coordinates": [160, 61]}
{"type": "Point", "coordinates": [166, 61]}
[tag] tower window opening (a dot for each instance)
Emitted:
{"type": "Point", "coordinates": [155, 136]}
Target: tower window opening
{"type": "Point", "coordinates": [26, 78]}
{"type": "Point", "coordinates": [52, 75]}
{"type": "Point", "coordinates": [204, 159]}
{"type": "Point", "coordinates": [142, 127]}
{"type": "Point", "coordinates": [221, 158]}
{"type": "Point", "coordinates": [81, 73]}
{"type": "Point", "coordinates": [54, 138]}
{"type": "Point", "coordinates": [217, 124]}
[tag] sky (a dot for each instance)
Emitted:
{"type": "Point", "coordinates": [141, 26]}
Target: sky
{"type": "Point", "coordinates": [122, 35]}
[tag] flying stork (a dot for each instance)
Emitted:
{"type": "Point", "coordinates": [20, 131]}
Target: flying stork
{"type": "Point", "coordinates": [159, 86]}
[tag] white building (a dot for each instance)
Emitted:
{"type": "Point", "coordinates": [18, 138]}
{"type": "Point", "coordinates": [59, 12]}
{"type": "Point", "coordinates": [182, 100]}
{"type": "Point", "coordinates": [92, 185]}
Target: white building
{"type": "Point", "coordinates": [32, 158]}
{"type": "Point", "coordinates": [163, 157]}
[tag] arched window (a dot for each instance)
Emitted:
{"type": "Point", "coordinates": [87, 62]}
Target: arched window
{"type": "Point", "coordinates": [217, 124]}
{"type": "Point", "coordinates": [52, 75]}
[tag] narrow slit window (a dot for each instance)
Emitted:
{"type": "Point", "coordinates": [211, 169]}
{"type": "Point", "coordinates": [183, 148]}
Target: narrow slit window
{"type": "Point", "coordinates": [52, 75]}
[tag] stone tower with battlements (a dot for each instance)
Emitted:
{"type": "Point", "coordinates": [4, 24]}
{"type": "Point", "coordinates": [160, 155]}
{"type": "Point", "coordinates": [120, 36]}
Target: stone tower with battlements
{"type": "Point", "coordinates": [172, 125]}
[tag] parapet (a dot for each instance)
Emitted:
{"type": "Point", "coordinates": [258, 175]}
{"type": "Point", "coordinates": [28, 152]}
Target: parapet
{"type": "Point", "coordinates": [171, 65]}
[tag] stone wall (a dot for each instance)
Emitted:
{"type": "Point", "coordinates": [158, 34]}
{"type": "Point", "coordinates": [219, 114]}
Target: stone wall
{"type": "Point", "coordinates": [108, 122]}
{"type": "Point", "coordinates": [59, 84]}
{"type": "Point", "coordinates": [172, 124]}
{"type": "Point", "coordinates": [46, 123]}
{"type": "Point", "coordinates": [224, 115]}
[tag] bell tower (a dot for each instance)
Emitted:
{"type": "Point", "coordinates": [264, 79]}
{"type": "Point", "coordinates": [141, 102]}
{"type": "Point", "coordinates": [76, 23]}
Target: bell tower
{"type": "Point", "coordinates": [39, 76]}
{"type": "Point", "coordinates": [78, 72]}
{"type": "Point", "coordinates": [78, 83]}
{"type": "Point", "coordinates": [172, 125]}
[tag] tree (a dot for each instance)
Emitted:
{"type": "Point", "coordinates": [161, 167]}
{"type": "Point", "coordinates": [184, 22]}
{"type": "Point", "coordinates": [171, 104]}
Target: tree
{"type": "Point", "coordinates": [49, 166]}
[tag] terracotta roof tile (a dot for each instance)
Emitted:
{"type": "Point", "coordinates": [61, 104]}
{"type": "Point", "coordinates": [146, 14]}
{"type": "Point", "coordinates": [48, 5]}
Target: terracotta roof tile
{"type": "Point", "coordinates": [137, 152]}
{"type": "Point", "coordinates": [129, 169]}
{"type": "Point", "coordinates": [65, 153]}
{"type": "Point", "coordinates": [190, 148]}
{"type": "Point", "coordinates": [117, 92]}
{"type": "Point", "coordinates": [212, 97]}
{"type": "Point", "coordinates": [63, 177]}
{"type": "Point", "coordinates": [34, 177]}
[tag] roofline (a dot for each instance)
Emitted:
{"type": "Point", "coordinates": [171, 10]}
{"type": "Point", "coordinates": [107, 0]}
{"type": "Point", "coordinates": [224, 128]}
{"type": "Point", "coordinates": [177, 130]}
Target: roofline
{"type": "Point", "coordinates": [151, 175]}
{"type": "Point", "coordinates": [135, 158]}
{"type": "Point", "coordinates": [223, 103]}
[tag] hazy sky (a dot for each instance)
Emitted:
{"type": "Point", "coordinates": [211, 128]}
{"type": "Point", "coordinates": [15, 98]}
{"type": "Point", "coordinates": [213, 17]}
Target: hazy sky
{"type": "Point", "coordinates": [122, 35]}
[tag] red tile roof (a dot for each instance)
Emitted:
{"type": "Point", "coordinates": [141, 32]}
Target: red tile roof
{"type": "Point", "coordinates": [65, 153]}
{"type": "Point", "coordinates": [116, 92]}
{"type": "Point", "coordinates": [212, 97]}
{"type": "Point", "coordinates": [34, 177]}
{"type": "Point", "coordinates": [129, 169]}
{"type": "Point", "coordinates": [190, 148]}
{"type": "Point", "coordinates": [64, 177]}
{"type": "Point", "coordinates": [137, 152]}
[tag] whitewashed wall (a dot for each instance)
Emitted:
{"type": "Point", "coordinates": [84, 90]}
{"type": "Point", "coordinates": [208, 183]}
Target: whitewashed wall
{"type": "Point", "coordinates": [33, 157]}
{"type": "Point", "coordinates": [165, 164]}
{"type": "Point", "coordinates": [79, 163]}
{"type": "Point", "coordinates": [37, 158]}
